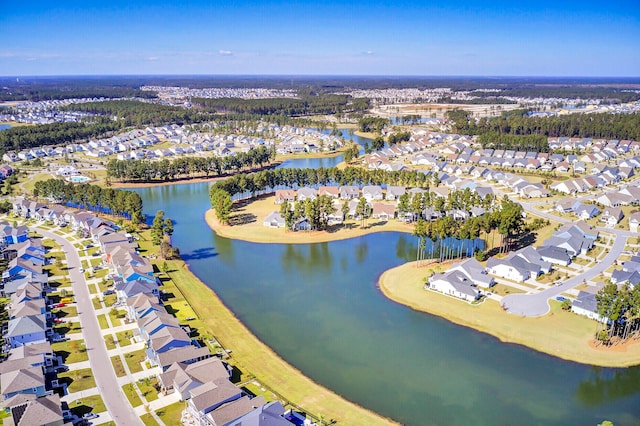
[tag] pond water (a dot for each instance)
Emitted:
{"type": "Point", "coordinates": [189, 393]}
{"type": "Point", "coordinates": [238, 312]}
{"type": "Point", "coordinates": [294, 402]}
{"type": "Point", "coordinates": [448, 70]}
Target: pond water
{"type": "Point", "coordinates": [318, 306]}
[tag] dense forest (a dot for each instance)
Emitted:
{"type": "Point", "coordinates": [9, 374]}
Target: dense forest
{"type": "Point", "coordinates": [307, 104]}
{"type": "Point", "coordinates": [165, 170]}
{"type": "Point", "coordinates": [93, 197]}
{"type": "Point", "coordinates": [138, 113]}
{"type": "Point", "coordinates": [48, 88]}
{"type": "Point", "coordinates": [25, 137]}
{"type": "Point", "coordinates": [601, 125]}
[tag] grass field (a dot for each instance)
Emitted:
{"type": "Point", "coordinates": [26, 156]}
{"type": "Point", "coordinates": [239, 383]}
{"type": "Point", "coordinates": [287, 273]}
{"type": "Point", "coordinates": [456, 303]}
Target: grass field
{"type": "Point", "coordinates": [78, 379]}
{"type": "Point", "coordinates": [118, 366]}
{"type": "Point", "coordinates": [71, 351]}
{"type": "Point", "coordinates": [133, 360]}
{"type": "Point", "coordinates": [88, 404]}
{"type": "Point", "coordinates": [131, 394]}
{"type": "Point", "coordinates": [559, 333]}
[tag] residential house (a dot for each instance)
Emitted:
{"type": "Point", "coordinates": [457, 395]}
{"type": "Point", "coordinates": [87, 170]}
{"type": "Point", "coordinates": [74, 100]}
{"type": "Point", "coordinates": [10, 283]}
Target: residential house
{"type": "Point", "coordinates": [372, 193]}
{"type": "Point", "coordinates": [586, 304]}
{"type": "Point", "coordinates": [274, 220]}
{"type": "Point", "coordinates": [182, 378]}
{"type": "Point", "coordinates": [611, 216]}
{"type": "Point", "coordinates": [27, 329]}
{"type": "Point", "coordinates": [283, 195]}
{"type": "Point", "coordinates": [395, 192]}
{"type": "Point", "coordinates": [349, 192]}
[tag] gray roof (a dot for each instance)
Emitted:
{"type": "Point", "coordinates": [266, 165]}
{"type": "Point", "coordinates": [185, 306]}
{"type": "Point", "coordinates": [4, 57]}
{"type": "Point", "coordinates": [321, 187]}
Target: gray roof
{"type": "Point", "coordinates": [27, 325]}
{"type": "Point", "coordinates": [45, 410]}
{"type": "Point", "coordinates": [586, 301]}
{"type": "Point", "coordinates": [22, 379]}
{"type": "Point", "coordinates": [267, 415]}
{"type": "Point", "coordinates": [213, 394]}
{"type": "Point", "coordinates": [552, 252]}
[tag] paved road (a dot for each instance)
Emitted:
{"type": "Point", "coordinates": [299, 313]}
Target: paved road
{"type": "Point", "coordinates": [537, 304]}
{"type": "Point", "coordinates": [116, 402]}
{"type": "Point", "coordinates": [533, 305]}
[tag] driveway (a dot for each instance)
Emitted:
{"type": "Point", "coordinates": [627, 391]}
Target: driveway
{"type": "Point", "coordinates": [116, 402]}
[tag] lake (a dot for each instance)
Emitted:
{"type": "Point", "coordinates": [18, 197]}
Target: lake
{"type": "Point", "coordinates": [318, 306]}
{"type": "Point", "coordinates": [5, 126]}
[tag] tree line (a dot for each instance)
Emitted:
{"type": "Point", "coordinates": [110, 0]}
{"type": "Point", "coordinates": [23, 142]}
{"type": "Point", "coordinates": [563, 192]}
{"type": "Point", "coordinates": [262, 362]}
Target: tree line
{"type": "Point", "coordinates": [93, 197]}
{"type": "Point", "coordinates": [26, 137]}
{"type": "Point", "coordinates": [621, 305]}
{"type": "Point", "coordinates": [306, 104]}
{"type": "Point", "coordinates": [267, 180]}
{"type": "Point", "coordinates": [137, 113]}
{"type": "Point", "coordinates": [497, 140]}
{"type": "Point", "coordinates": [600, 125]}
{"type": "Point", "coordinates": [373, 124]}
{"type": "Point", "coordinates": [181, 167]}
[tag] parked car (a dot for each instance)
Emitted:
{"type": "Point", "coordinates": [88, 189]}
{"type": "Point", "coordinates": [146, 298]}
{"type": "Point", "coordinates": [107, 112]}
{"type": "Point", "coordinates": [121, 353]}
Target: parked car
{"type": "Point", "coordinates": [61, 368]}
{"type": "Point", "coordinates": [560, 299]}
{"type": "Point", "coordinates": [88, 416]}
{"type": "Point", "coordinates": [57, 339]}
{"type": "Point", "coordinates": [108, 292]}
{"type": "Point", "coordinates": [59, 305]}
{"type": "Point", "coordinates": [58, 320]}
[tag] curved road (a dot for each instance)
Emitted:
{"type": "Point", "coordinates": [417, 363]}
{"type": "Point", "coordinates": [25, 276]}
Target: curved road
{"type": "Point", "coordinates": [533, 305]}
{"type": "Point", "coordinates": [116, 402]}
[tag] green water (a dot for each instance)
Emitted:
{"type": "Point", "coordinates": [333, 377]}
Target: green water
{"type": "Point", "coordinates": [318, 307]}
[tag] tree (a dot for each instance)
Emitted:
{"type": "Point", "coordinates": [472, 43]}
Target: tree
{"type": "Point", "coordinates": [362, 211]}
{"type": "Point", "coordinates": [157, 228]}
{"type": "Point", "coordinates": [345, 210]}
{"type": "Point", "coordinates": [221, 202]}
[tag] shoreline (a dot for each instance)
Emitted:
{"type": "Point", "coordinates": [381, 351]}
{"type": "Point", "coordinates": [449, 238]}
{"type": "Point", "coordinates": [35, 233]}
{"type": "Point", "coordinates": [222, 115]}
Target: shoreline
{"type": "Point", "coordinates": [280, 236]}
{"type": "Point", "coordinates": [254, 356]}
{"type": "Point", "coordinates": [561, 334]}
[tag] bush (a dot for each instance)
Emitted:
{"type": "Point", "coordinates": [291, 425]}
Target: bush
{"type": "Point", "coordinates": [566, 304]}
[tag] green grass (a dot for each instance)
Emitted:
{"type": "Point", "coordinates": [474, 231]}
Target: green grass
{"type": "Point", "coordinates": [116, 316]}
{"type": "Point", "coordinates": [96, 303]}
{"type": "Point", "coordinates": [109, 341]}
{"type": "Point", "coordinates": [95, 261]}
{"type": "Point", "coordinates": [503, 290]}
{"type": "Point", "coordinates": [102, 320]}
{"type": "Point", "coordinates": [130, 391]}
{"type": "Point", "coordinates": [134, 359]}
{"type": "Point", "coordinates": [110, 299]}
{"type": "Point", "coordinates": [148, 420]}
{"type": "Point", "coordinates": [71, 351]}
{"type": "Point", "coordinates": [117, 366]}
{"type": "Point", "coordinates": [67, 311]}
{"type": "Point", "coordinates": [78, 379]}
{"type": "Point", "coordinates": [88, 404]}
{"type": "Point", "coordinates": [68, 328]}
{"type": "Point", "coordinates": [171, 414]}
{"type": "Point", "coordinates": [148, 388]}
{"type": "Point", "coordinates": [122, 339]}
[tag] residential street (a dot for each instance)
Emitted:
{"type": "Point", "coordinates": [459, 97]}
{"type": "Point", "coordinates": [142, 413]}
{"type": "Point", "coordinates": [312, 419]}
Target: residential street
{"type": "Point", "coordinates": [117, 404]}
{"type": "Point", "coordinates": [533, 305]}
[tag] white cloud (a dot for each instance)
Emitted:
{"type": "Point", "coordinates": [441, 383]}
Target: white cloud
{"type": "Point", "coordinates": [152, 58]}
{"type": "Point", "coordinates": [225, 52]}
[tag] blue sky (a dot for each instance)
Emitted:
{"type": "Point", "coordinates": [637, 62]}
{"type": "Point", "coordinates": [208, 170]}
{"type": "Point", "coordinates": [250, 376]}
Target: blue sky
{"type": "Point", "coordinates": [485, 38]}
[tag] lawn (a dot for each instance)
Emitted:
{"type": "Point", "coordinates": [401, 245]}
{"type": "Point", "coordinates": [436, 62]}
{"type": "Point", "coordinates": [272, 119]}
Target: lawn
{"type": "Point", "coordinates": [124, 338]}
{"type": "Point", "coordinates": [134, 359]}
{"type": "Point", "coordinates": [68, 328]}
{"type": "Point", "coordinates": [109, 341]}
{"type": "Point", "coordinates": [102, 320]}
{"type": "Point", "coordinates": [88, 404]}
{"type": "Point", "coordinates": [96, 303]}
{"type": "Point", "coordinates": [71, 351]}
{"type": "Point", "coordinates": [148, 420]}
{"type": "Point", "coordinates": [130, 391]}
{"type": "Point", "coordinates": [148, 388]}
{"type": "Point", "coordinates": [78, 380]}
{"type": "Point", "coordinates": [118, 366]}
{"type": "Point", "coordinates": [503, 290]}
{"type": "Point", "coordinates": [67, 311]}
{"type": "Point", "coordinates": [171, 414]}
{"type": "Point", "coordinates": [116, 316]}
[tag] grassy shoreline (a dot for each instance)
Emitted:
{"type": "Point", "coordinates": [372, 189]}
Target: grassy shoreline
{"type": "Point", "coordinates": [253, 357]}
{"type": "Point", "coordinates": [561, 334]}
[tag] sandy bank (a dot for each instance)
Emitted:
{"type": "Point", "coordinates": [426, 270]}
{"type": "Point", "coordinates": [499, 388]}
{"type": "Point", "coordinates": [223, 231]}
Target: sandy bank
{"type": "Point", "coordinates": [247, 225]}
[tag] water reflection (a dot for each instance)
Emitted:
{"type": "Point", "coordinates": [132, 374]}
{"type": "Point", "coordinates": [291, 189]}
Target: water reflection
{"type": "Point", "coordinates": [605, 385]}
